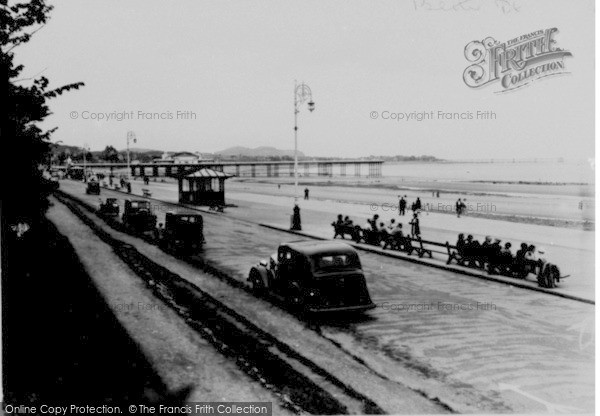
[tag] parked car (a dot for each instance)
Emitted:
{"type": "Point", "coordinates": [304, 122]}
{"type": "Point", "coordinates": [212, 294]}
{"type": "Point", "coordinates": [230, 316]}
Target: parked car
{"type": "Point", "coordinates": [316, 276]}
{"type": "Point", "coordinates": [138, 216]}
{"type": "Point", "coordinates": [110, 207]}
{"type": "Point", "coordinates": [93, 188]}
{"type": "Point", "coordinates": [182, 233]}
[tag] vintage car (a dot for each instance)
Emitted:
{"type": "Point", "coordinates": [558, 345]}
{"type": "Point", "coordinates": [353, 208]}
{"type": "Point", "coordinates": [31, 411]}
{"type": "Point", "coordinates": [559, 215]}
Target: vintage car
{"type": "Point", "coordinates": [109, 207]}
{"type": "Point", "coordinates": [314, 276]}
{"type": "Point", "coordinates": [138, 216]}
{"type": "Point", "coordinates": [183, 233]}
{"type": "Point", "coordinates": [93, 188]}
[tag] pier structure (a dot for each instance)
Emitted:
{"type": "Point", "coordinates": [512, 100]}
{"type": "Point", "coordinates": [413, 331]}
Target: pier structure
{"type": "Point", "coordinates": [368, 167]}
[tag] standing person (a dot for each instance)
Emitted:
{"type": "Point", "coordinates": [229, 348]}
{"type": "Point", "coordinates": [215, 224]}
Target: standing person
{"type": "Point", "coordinates": [402, 206]}
{"type": "Point", "coordinates": [438, 194]}
{"type": "Point", "coordinates": [458, 207]}
{"type": "Point", "coordinates": [418, 204]}
{"type": "Point", "coordinates": [415, 229]}
{"type": "Point", "coordinates": [305, 193]}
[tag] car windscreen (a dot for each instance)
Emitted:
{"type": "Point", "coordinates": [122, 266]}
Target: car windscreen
{"type": "Point", "coordinates": [140, 205]}
{"type": "Point", "coordinates": [336, 261]}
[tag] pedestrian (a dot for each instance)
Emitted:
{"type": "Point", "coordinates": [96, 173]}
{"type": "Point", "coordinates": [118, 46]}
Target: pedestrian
{"type": "Point", "coordinates": [415, 229]}
{"type": "Point", "coordinates": [418, 204]}
{"type": "Point", "coordinates": [305, 193]}
{"type": "Point", "coordinates": [402, 206]}
{"type": "Point", "coordinates": [458, 207]}
{"type": "Point", "coordinates": [438, 194]}
{"type": "Point", "coordinates": [296, 221]}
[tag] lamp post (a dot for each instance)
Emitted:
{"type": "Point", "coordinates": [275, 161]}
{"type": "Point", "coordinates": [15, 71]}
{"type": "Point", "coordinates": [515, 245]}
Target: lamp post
{"type": "Point", "coordinates": [51, 152]}
{"type": "Point", "coordinates": [130, 137]}
{"type": "Point", "coordinates": [86, 148]}
{"type": "Point", "coordinates": [302, 94]}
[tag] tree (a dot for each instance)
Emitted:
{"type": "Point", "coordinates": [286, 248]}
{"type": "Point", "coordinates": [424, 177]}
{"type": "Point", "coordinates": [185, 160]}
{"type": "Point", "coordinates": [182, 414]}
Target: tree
{"type": "Point", "coordinates": [25, 198]}
{"type": "Point", "coordinates": [110, 154]}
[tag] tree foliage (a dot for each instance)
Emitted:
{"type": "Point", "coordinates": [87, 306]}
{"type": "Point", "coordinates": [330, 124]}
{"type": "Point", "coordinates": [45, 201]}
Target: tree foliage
{"type": "Point", "coordinates": [110, 154]}
{"type": "Point", "coordinates": [24, 195]}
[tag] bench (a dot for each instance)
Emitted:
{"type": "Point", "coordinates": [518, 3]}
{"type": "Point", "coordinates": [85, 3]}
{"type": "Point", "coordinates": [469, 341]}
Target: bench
{"type": "Point", "coordinates": [476, 262]}
{"type": "Point", "coordinates": [217, 207]}
{"type": "Point", "coordinates": [403, 243]}
{"type": "Point", "coordinates": [146, 193]}
{"type": "Point", "coordinates": [345, 229]}
{"type": "Point", "coordinates": [421, 251]}
{"type": "Point", "coordinates": [371, 237]}
{"type": "Point", "coordinates": [454, 255]}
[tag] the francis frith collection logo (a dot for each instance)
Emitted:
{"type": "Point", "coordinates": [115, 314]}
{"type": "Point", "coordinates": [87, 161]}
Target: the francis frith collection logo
{"type": "Point", "coordinates": [514, 63]}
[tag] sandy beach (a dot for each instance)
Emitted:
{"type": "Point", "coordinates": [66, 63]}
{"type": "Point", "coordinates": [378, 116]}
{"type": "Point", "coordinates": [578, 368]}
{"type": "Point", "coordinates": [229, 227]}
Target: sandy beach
{"type": "Point", "coordinates": [567, 206]}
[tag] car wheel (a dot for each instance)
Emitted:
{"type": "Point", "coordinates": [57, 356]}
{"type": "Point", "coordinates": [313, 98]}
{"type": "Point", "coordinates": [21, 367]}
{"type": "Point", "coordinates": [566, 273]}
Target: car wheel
{"type": "Point", "coordinates": [256, 282]}
{"type": "Point", "coordinates": [544, 278]}
{"type": "Point", "coordinates": [552, 276]}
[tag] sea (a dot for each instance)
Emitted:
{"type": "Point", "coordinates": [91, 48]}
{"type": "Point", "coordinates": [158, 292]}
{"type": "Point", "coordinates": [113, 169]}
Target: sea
{"type": "Point", "coordinates": [555, 171]}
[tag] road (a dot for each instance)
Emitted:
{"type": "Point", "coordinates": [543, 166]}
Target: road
{"type": "Point", "coordinates": [475, 346]}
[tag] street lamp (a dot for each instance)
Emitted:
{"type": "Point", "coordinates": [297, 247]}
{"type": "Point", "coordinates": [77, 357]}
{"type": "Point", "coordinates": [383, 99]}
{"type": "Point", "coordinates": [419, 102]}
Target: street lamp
{"type": "Point", "coordinates": [130, 137]}
{"type": "Point", "coordinates": [302, 94]}
{"type": "Point", "coordinates": [86, 148]}
{"type": "Point", "coordinates": [51, 152]}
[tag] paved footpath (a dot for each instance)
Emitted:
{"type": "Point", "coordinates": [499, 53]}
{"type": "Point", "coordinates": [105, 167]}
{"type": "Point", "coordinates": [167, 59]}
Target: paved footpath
{"type": "Point", "coordinates": [471, 343]}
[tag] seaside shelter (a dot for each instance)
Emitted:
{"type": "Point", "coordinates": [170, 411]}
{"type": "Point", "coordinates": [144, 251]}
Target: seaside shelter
{"type": "Point", "coordinates": [203, 187]}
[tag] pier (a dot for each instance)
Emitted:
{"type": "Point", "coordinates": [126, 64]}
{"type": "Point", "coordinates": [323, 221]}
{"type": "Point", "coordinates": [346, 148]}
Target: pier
{"type": "Point", "coordinates": [370, 168]}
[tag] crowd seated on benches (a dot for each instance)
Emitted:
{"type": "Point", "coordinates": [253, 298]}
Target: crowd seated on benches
{"type": "Point", "coordinates": [496, 258]}
{"type": "Point", "coordinates": [377, 233]}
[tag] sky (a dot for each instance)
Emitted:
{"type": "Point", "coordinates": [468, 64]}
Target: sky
{"type": "Point", "coordinates": [230, 66]}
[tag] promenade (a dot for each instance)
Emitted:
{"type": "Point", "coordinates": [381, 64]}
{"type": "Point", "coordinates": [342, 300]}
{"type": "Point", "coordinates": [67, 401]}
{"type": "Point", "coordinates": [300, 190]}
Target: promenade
{"type": "Point", "coordinates": [572, 249]}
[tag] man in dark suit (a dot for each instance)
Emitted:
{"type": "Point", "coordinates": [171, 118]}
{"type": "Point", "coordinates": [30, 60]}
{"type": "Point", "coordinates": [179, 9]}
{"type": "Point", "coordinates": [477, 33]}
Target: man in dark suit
{"type": "Point", "coordinates": [402, 206]}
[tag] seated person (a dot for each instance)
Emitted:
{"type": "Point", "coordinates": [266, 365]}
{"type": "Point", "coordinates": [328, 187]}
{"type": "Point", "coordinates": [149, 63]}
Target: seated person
{"type": "Point", "coordinates": [520, 256]}
{"type": "Point", "coordinates": [531, 259]}
{"type": "Point", "coordinates": [506, 253]}
{"type": "Point", "coordinates": [486, 248]}
{"type": "Point", "coordinates": [373, 222]}
{"type": "Point", "coordinates": [461, 244]}
{"type": "Point", "coordinates": [473, 251]}
{"type": "Point", "coordinates": [493, 257]}
{"type": "Point", "coordinates": [347, 221]}
{"type": "Point", "coordinates": [392, 225]}
{"type": "Point", "coordinates": [339, 220]}
{"type": "Point", "coordinates": [397, 231]}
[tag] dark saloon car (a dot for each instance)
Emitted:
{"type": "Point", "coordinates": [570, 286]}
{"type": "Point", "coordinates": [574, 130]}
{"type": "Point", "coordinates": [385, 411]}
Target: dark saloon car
{"type": "Point", "coordinates": [110, 207]}
{"type": "Point", "coordinates": [92, 188]}
{"type": "Point", "coordinates": [316, 276]}
{"type": "Point", "coordinates": [138, 216]}
{"type": "Point", "coordinates": [183, 233]}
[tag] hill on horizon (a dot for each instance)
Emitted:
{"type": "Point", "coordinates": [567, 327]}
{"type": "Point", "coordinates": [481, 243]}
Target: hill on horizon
{"type": "Point", "coordinates": [261, 151]}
